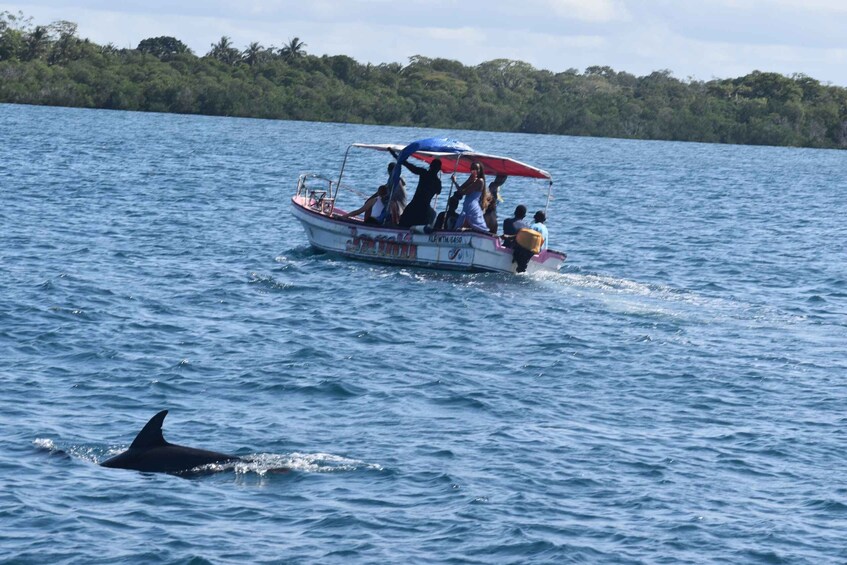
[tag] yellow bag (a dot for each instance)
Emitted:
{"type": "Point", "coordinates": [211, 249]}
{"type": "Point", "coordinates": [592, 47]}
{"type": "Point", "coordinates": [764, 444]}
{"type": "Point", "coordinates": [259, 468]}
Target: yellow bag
{"type": "Point", "coordinates": [530, 240]}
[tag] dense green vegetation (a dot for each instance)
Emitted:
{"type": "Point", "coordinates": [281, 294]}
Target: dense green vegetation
{"type": "Point", "coordinates": [51, 65]}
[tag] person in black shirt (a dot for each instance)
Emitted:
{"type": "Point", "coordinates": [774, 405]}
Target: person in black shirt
{"type": "Point", "coordinates": [512, 225]}
{"type": "Point", "coordinates": [420, 211]}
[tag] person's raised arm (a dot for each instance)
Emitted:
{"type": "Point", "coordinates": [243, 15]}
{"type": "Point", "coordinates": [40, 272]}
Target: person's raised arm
{"type": "Point", "coordinates": [466, 186]}
{"type": "Point", "coordinates": [412, 168]}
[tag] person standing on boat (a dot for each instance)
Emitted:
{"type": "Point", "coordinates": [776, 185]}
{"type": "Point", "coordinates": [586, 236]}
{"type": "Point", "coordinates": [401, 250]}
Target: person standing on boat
{"type": "Point", "coordinates": [397, 200]}
{"type": "Point", "coordinates": [511, 226]}
{"type": "Point", "coordinates": [540, 217]}
{"type": "Point", "coordinates": [420, 211]}
{"type": "Point", "coordinates": [476, 200]}
{"type": "Point", "coordinates": [491, 211]}
{"type": "Point", "coordinates": [399, 195]}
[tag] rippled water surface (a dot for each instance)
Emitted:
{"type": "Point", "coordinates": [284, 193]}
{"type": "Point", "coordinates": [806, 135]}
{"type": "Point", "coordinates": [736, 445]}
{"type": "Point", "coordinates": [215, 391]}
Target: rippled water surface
{"type": "Point", "coordinates": [676, 394]}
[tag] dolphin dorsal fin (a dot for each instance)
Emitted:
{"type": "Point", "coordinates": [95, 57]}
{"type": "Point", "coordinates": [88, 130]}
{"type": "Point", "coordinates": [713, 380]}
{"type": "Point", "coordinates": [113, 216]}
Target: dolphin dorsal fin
{"type": "Point", "coordinates": [151, 434]}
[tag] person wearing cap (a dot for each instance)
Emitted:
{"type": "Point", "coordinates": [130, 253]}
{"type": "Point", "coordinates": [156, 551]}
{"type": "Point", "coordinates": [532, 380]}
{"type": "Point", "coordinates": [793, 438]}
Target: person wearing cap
{"type": "Point", "coordinates": [540, 217]}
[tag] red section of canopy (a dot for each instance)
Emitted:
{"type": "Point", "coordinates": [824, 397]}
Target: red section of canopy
{"type": "Point", "coordinates": [491, 164]}
{"type": "Point", "coordinates": [461, 162]}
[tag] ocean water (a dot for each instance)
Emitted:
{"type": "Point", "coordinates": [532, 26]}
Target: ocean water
{"type": "Point", "coordinates": [675, 394]}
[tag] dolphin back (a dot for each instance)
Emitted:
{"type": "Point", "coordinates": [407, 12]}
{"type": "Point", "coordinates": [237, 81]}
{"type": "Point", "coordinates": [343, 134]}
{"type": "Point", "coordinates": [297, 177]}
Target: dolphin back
{"type": "Point", "coordinates": [151, 434]}
{"type": "Point", "coordinates": [150, 452]}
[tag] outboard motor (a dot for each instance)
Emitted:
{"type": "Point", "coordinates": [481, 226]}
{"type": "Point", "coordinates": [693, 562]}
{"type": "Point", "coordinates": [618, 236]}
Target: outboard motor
{"type": "Point", "coordinates": [527, 245]}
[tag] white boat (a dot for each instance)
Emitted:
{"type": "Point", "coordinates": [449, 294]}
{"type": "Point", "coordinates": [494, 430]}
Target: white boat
{"type": "Point", "coordinates": [314, 205]}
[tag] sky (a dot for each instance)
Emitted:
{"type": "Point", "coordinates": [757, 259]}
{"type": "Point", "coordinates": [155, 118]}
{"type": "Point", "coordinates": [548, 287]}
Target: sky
{"type": "Point", "coordinates": [694, 39]}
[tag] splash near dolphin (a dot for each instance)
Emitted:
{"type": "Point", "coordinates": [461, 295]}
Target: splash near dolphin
{"type": "Point", "coordinates": [151, 453]}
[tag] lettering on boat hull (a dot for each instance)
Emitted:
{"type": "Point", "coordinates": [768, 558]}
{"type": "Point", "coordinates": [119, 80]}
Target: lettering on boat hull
{"type": "Point", "coordinates": [398, 246]}
{"type": "Point", "coordinates": [449, 239]}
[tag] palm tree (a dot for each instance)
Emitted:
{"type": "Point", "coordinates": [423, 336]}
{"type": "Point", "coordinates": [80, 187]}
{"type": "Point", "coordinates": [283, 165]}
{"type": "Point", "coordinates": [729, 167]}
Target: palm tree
{"type": "Point", "coordinates": [36, 43]}
{"type": "Point", "coordinates": [224, 52]}
{"type": "Point", "coordinates": [293, 50]}
{"type": "Point", "coordinates": [252, 54]}
{"type": "Point", "coordinates": [66, 46]}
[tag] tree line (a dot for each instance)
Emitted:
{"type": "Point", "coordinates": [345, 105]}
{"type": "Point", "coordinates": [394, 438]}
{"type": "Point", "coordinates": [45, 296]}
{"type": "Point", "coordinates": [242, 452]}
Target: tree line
{"type": "Point", "coordinates": [52, 65]}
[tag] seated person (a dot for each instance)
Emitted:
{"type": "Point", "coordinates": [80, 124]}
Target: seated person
{"type": "Point", "coordinates": [512, 225]}
{"type": "Point", "coordinates": [373, 206]}
{"type": "Point", "coordinates": [540, 217]}
{"type": "Point", "coordinates": [446, 221]}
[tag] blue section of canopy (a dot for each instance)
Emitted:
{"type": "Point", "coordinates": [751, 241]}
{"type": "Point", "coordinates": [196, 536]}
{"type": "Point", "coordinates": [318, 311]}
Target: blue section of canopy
{"type": "Point", "coordinates": [430, 144]}
{"type": "Point", "coordinates": [440, 145]}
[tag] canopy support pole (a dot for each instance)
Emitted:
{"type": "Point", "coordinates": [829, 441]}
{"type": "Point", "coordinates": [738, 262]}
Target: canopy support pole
{"type": "Point", "coordinates": [341, 173]}
{"type": "Point", "coordinates": [450, 192]}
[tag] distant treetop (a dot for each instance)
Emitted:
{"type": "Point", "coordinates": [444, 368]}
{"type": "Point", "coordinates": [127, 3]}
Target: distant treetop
{"type": "Point", "coordinates": [163, 47]}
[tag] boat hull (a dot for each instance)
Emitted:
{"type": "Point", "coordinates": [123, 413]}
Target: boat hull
{"type": "Point", "coordinates": [457, 251]}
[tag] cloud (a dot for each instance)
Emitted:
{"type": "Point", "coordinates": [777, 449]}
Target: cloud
{"type": "Point", "coordinates": [660, 46]}
{"type": "Point", "coordinates": [807, 6]}
{"type": "Point", "coordinates": [751, 22]}
{"type": "Point", "coordinates": [588, 10]}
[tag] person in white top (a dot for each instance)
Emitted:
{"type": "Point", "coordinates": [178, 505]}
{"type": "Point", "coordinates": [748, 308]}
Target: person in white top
{"type": "Point", "coordinates": [373, 206]}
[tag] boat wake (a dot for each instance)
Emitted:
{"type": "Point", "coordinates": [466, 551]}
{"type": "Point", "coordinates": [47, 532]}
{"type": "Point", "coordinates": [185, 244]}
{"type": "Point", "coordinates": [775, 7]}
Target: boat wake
{"type": "Point", "coordinates": [297, 255]}
{"type": "Point", "coordinates": [637, 298]}
{"type": "Point", "coordinates": [271, 283]}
